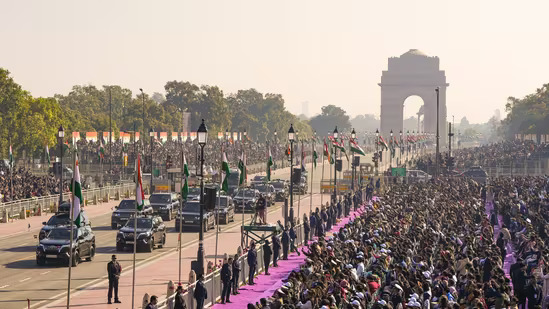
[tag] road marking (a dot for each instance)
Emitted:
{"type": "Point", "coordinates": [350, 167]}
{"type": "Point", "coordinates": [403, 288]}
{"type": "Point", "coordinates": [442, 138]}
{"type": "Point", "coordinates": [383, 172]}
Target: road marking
{"type": "Point", "coordinates": [23, 280]}
{"type": "Point", "coordinates": [45, 272]}
{"type": "Point", "coordinates": [4, 286]}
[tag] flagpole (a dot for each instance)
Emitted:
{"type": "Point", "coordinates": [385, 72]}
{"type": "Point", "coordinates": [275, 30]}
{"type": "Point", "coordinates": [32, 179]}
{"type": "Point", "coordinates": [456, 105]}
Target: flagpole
{"type": "Point", "coordinates": [217, 209]}
{"type": "Point", "coordinates": [71, 233]}
{"type": "Point", "coordinates": [47, 165]}
{"type": "Point", "coordinates": [312, 176]}
{"type": "Point", "coordinates": [181, 211]}
{"type": "Point", "coordinates": [137, 171]}
{"type": "Point", "coordinates": [299, 199]}
{"type": "Point", "coordinates": [11, 181]}
{"type": "Point", "coordinates": [321, 193]}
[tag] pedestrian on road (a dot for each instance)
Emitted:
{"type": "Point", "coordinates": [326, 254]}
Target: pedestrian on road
{"type": "Point", "coordinates": [306, 229]}
{"type": "Point", "coordinates": [200, 292]}
{"type": "Point", "coordinates": [285, 243]}
{"type": "Point", "coordinates": [179, 300]}
{"type": "Point", "coordinates": [226, 276]}
{"type": "Point", "coordinates": [267, 253]}
{"type": "Point", "coordinates": [153, 302]}
{"type": "Point", "coordinates": [113, 270]}
{"type": "Point", "coordinates": [252, 262]}
{"type": "Point", "coordinates": [276, 250]}
{"type": "Point", "coordinates": [236, 274]}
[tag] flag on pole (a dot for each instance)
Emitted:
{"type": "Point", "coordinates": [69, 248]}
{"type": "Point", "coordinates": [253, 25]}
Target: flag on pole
{"type": "Point", "coordinates": [269, 164]}
{"type": "Point", "coordinates": [139, 194]}
{"type": "Point", "coordinates": [77, 193]}
{"type": "Point", "coordinates": [302, 160]}
{"type": "Point", "coordinates": [101, 151]}
{"type": "Point", "coordinates": [47, 154]}
{"type": "Point", "coordinates": [315, 156]}
{"type": "Point", "coordinates": [11, 157]}
{"type": "Point", "coordinates": [185, 188]}
{"type": "Point", "coordinates": [382, 142]}
{"type": "Point", "coordinates": [356, 148]}
{"type": "Point", "coordinates": [225, 173]}
{"type": "Point", "coordinates": [327, 153]}
{"type": "Point", "coordinates": [242, 168]}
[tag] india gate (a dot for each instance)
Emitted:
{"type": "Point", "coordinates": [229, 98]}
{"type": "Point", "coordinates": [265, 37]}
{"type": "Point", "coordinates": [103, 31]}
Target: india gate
{"type": "Point", "coordinates": [413, 73]}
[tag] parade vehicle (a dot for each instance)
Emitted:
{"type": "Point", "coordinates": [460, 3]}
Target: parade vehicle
{"type": "Point", "coordinates": [150, 231]}
{"type": "Point", "coordinates": [60, 218]}
{"type": "Point", "coordinates": [245, 199]}
{"type": "Point", "coordinates": [417, 176]}
{"type": "Point", "coordinates": [234, 180]}
{"type": "Point", "coordinates": [301, 187]}
{"type": "Point", "coordinates": [280, 190]}
{"type": "Point", "coordinates": [165, 205]}
{"type": "Point", "coordinates": [194, 193]}
{"type": "Point", "coordinates": [224, 207]}
{"type": "Point", "coordinates": [55, 246]}
{"type": "Point", "coordinates": [259, 179]}
{"type": "Point", "coordinates": [189, 216]}
{"type": "Point", "coordinates": [477, 173]}
{"type": "Point", "coordinates": [125, 210]}
{"type": "Point", "coordinates": [267, 190]}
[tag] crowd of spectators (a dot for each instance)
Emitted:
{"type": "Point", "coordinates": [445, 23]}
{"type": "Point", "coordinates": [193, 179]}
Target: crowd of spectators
{"type": "Point", "coordinates": [431, 245]}
{"type": "Point", "coordinates": [26, 184]}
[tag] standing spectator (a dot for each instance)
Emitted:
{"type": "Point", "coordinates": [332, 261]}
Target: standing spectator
{"type": "Point", "coordinates": [236, 274]}
{"type": "Point", "coordinates": [276, 250]}
{"type": "Point", "coordinates": [200, 292]}
{"type": "Point", "coordinates": [285, 243]}
{"type": "Point", "coordinates": [293, 237]}
{"type": "Point", "coordinates": [306, 229]}
{"type": "Point", "coordinates": [226, 276]}
{"type": "Point", "coordinates": [312, 223]}
{"type": "Point", "coordinates": [179, 300]}
{"type": "Point", "coordinates": [252, 262]}
{"type": "Point", "coordinates": [267, 253]}
{"type": "Point", "coordinates": [153, 302]}
{"type": "Point", "coordinates": [113, 269]}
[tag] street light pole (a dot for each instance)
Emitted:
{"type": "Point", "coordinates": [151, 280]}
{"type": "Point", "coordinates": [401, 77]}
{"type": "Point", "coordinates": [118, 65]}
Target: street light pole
{"type": "Point", "coordinates": [61, 135]}
{"type": "Point", "coordinates": [391, 151]}
{"type": "Point", "coordinates": [438, 136]}
{"type": "Point", "coordinates": [110, 131]}
{"type": "Point", "coordinates": [291, 138]}
{"type": "Point", "coordinates": [353, 171]}
{"type": "Point", "coordinates": [143, 99]}
{"type": "Point", "coordinates": [335, 166]}
{"type": "Point", "coordinates": [377, 151]}
{"type": "Point", "coordinates": [152, 135]}
{"type": "Point", "coordinates": [202, 134]}
{"type": "Point", "coordinates": [400, 148]}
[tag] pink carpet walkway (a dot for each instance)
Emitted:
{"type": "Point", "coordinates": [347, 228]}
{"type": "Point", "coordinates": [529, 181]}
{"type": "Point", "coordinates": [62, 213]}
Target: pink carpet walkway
{"type": "Point", "coordinates": [265, 286]}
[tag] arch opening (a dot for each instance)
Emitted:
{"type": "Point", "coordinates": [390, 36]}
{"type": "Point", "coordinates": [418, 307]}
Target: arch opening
{"type": "Point", "coordinates": [412, 111]}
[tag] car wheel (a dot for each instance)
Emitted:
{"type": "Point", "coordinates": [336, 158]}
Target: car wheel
{"type": "Point", "coordinates": [150, 248]}
{"type": "Point", "coordinates": [161, 245]}
{"type": "Point", "coordinates": [75, 259]}
{"type": "Point", "coordinates": [40, 261]}
{"type": "Point", "coordinates": [92, 254]}
{"type": "Point", "coordinates": [114, 226]}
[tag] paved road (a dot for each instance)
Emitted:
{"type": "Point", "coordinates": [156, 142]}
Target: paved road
{"type": "Point", "coordinates": [21, 278]}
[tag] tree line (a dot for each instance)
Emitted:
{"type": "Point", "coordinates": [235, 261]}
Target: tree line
{"type": "Point", "coordinates": [528, 115]}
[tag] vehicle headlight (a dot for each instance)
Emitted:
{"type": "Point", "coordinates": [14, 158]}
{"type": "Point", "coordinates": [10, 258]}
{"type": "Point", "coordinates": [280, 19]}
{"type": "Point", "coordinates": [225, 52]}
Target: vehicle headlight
{"type": "Point", "coordinates": [142, 235]}
{"type": "Point", "coordinates": [116, 214]}
{"type": "Point", "coordinates": [197, 218]}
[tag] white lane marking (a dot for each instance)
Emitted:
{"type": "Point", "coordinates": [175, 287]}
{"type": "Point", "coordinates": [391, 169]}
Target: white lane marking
{"type": "Point", "coordinates": [45, 272]}
{"type": "Point", "coordinates": [4, 286]}
{"type": "Point", "coordinates": [23, 280]}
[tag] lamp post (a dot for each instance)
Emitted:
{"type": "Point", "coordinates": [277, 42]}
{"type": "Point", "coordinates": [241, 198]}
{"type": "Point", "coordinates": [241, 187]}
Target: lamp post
{"type": "Point", "coordinates": [143, 99]}
{"type": "Point", "coordinates": [438, 136]}
{"type": "Point", "coordinates": [202, 134]}
{"type": "Point", "coordinates": [61, 135]}
{"type": "Point", "coordinates": [407, 144]}
{"type": "Point", "coordinates": [391, 151]}
{"type": "Point", "coordinates": [377, 151]}
{"type": "Point", "coordinates": [400, 148]}
{"type": "Point", "coordinates": [151, 134]}
{"type": "Point", "coordinates": [291, 138]}
{"type": "Point", "coordinates": [334, 198]}
{"type": "Point", "coordinates": [353, 136]}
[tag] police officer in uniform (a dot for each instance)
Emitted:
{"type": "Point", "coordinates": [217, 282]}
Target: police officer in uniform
{"type": "Point", "coordinates": [113, 269]}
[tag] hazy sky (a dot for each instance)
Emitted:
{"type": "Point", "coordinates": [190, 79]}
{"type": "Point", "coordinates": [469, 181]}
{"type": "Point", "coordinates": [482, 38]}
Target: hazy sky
{"type": "Point", "coordinates": [323, 52]}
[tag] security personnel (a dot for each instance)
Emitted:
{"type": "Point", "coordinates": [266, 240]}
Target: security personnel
{"type": "Point", "coordinates": [113, 269]}
{"type": "Point", "coordinates": [260, 206]}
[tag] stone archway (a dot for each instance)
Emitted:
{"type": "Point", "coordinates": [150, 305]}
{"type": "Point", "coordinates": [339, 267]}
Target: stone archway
{"type": "Point", "coordinates": [413, 73]}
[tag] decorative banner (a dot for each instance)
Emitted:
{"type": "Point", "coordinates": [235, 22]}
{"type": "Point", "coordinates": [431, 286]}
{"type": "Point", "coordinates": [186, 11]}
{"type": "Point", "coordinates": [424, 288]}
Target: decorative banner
{"type": "Point", "coordinates": [185, 136]}
{"type": "Point", "coordinates": [136, 136]}
{"type": "Point", "coordinates": [106, 136]}
{"type": "Point", "coordinates": [91, 136]}
{"type": "Point", "coordinates": [235, 136]}
{"type": "Point", "coordinates": [163, 136]}
{"type": "Point", "coordinates": [126, 137]}
{"type": "Point", "coordinates": [219, 135]}
{"type": "Point", "coordinates": [76, 136]}
{"type": "Point", "coordinates": [174, 136]}
{"type": "Point", "coordinates": [193, 136]}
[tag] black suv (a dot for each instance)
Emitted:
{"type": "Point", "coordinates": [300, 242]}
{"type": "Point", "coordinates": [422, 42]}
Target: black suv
{"type": "Point", "coordinates": [224, 207]}
{"type": "Point", "coordinates": [55, 247]}
{"type": "Point", "coordinates": [61, 218]}
{"type": "Point", "coordinates": [191, 217]}
{"type": "Point", "coordinates": [246, 199]}
{"type": "Point", "coordinates": [150, 230]}
{"type": "Point", "coordinates": [280, 190]}
{"type": "Point", "coordinates": [125, 210]}
{"type": "Point", "coordinates": [164, 204]}
{"type": "Point", "coordinates": [267, 190]}
{"type": "Point", "coordinates": [194, 193]}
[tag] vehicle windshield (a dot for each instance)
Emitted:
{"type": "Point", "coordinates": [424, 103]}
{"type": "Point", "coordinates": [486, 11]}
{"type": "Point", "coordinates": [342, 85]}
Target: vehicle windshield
{"type": "Point", "coordinates": [191, 207]}
{"type": "Point", "coordinates": [278, 185]}
{"type": "Point", "coordinates": [222, 202]}
{"type": "Point", "coordinates": [61, 234]}
{"type": "Point", "coordinates": [59, 220]}
{"type": "Point", "coordinates": [247, 193]}
{"type": "Point", "coordinates": [194, 191]}
{"type": "Point", "coordinates": [259, 178]}
{"type": "Point", "coordinates": [159, 198]}
{"type": "Point", "coordinates": [127, 204]}
{"type": "Point", "coordinates": [142, 223]}
{"type": "Point", "coordinates": [263, 188]}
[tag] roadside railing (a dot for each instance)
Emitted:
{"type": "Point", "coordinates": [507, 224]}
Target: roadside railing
{"type": "Point", "coordinates": [44, 204]}
{"type": "Point", "coordinates": [213, 283]}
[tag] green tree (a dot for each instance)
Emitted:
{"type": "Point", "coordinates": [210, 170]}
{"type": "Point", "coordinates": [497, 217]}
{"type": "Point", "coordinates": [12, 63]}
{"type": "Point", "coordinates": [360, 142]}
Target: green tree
{"type": "Point", "coordinates": [330, 117]}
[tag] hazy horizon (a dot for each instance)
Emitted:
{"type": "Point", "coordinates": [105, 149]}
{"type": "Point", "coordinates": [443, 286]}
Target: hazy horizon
{"type": "Point", "coordinates": [318, 52]}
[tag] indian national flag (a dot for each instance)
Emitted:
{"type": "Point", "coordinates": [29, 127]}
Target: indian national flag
{"type": "Point", "coordinates": [315, 156]}
{"type": "Point", "coordinates": [382, 142]}
{"type": "Point", "coordinates": [76, 189]}
{"type": "Point", "coordinates": [356, 148]}
{"type": "Point", "coordinates": [47, 154]}
{"type": "Point", "coordinates": [242, 168]}
{"type": "Point", "coordinates": [11, 157]}
{"type": "Point", "coordinates": [269, 164]}
{"type": "Point", "coordinates": [139, 194]}
{"type": "Point", "coordinates": [327, 153]}
{"type": "Point", "coordinates": [225, 173]}
{"type": "Point", "coordinates": [185, 187]}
